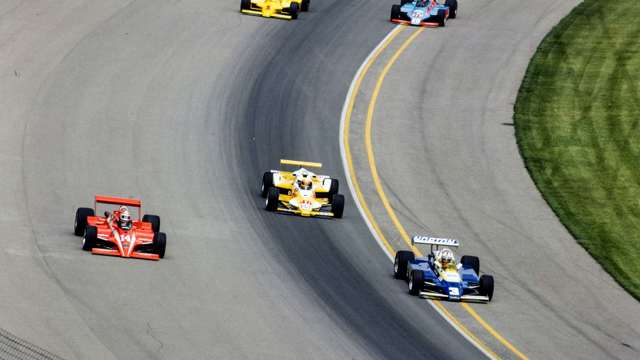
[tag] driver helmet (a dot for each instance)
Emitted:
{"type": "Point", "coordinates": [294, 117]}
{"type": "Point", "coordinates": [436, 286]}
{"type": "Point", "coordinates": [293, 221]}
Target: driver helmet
{"type": "Point", "coordinates": [304, 182]}
{"type": "Point", "coordinates": [446, 258]}
{"type": "Point", "coordinates": [124, 221]}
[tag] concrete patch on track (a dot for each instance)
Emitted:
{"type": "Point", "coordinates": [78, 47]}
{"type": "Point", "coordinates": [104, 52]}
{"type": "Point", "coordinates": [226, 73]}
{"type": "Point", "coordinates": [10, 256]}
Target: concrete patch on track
{"type": "Point", "coordinates": [448, 161]}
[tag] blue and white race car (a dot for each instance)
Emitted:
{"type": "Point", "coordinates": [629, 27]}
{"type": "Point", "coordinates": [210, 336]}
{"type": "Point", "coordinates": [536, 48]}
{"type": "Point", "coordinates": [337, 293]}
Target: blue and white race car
{"type": "Point", "coordinates": [430, 13]}
{"type": "Point", "coordinates": [439, 276]}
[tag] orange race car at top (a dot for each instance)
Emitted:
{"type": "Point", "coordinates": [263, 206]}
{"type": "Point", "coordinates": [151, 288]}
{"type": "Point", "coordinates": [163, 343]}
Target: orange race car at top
{"type": "Point", "coordinates": [116, 233]}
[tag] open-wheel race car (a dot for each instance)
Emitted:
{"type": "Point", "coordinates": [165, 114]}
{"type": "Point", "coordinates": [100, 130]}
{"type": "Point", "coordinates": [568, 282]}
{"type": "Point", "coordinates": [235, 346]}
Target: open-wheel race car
{"type": "Point", "coordinates": [429, 13]}
{"type": "Point", "coordinates": [439, 275]}
{"type": "Point", "coordinates": [301, 191]}
{"type": "Point", "coordinates": [116, 233]}
{"type": "Point", "coordinates": [280, 9]}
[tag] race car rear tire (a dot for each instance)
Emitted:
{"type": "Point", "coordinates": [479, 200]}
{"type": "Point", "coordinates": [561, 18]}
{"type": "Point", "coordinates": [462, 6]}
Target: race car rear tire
{"type": "Point", "coordinates": [154, 220]}
{"type": "Point", "coordinates": [473, 262]}
{"type": "Point", "coordinates": [80, 222]}
{"type": "Point", "coordinates": [442, 18]}
{"type": "Point", "coordinates": [486, 286]}
{"type": "Point", "coordinates": [273, 195]}
{"type": "Point", "coordinates": [245, 4]}
{"type": "Point", "coordinates": [401, 262]}
{"type": "Point", "coordinates": [293, 10]}
{"type": "Point", "coordinates": [453, 8]}
{"type": "Point", "coordinates": [304, 5]}
{"type": "Point", "coordinates": [333, 189]}
{"type": "Point", "coordinates": [337, 205]}
{"type": "Point", "coordinates": [90, 238]}
{"type": "Point", "coordinates": [416, 282]}
{"type": "Point", "coordinates": [395, 12]}
{"type": "Point", "coordinates": [160, 243]}
{"type": "Point", "coordinates": [267, 182]}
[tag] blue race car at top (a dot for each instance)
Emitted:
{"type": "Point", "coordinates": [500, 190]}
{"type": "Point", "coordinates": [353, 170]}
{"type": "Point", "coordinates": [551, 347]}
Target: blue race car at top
{"type": "Point", "coordinates": [439, 276]}
{"type": "Point", "coordinates": [431, 13]}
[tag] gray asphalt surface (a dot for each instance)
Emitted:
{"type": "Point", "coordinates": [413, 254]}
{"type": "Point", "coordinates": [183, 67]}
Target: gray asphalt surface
{"type": "Point", "coordinates": [446, 152]}
{"type": "Point", "coordinates": [184, 104]}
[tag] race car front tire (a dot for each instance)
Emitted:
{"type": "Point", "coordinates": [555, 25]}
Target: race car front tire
{"type": "Point", "coordinates": [304, 5]}
{"type": "Point", "coordinates": [453, 8]}
{"type": "Point", "coordinates": [80, 222]}
{"type": "Point", "coordinates": [267, 182]}
{"type": "Point", "coordinates": [486, 286]}
{"type": "Point", "coordinates": [293, 10]}
{"type": "Point", "coordinates": [416, 282]}
{"type": "Point", "coordinates": [273, 195]}
{"type": "Point", "coordinates": [337, 205]}
{"type": "Point", "coordinates": [160, 243]}
{"type": "Point", "coordinates": [473, 262]}
{"type": "Point", "coordinates": [245, 5]}
{"type": "Point", "coordinates": [395, 12]}
{"type": "Point", "coordinates": [90, 238]}
{"type": "Point", "coordinates": [154, 220]}
{"type": "Point", "coordinates": [401, 262]}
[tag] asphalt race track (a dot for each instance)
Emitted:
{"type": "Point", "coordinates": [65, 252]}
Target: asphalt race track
{"type": "Point", "coordinates": [184, 104]}
{"type": "Point", "coordinates": [447, 157]}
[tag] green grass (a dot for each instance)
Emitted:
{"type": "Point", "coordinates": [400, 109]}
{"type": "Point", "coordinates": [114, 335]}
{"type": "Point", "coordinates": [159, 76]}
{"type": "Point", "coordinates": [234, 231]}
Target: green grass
{"type": "Point", "coordinates": [577, 120]}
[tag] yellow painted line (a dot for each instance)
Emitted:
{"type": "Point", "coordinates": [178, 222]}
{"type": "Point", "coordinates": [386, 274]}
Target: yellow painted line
{"type": "Point", "coordinates": [369, 145]}
{"type": "Point", "coordinates": [383, 197]}
{"type": "Point", "coordinates": [356, 185]}
{"type": "Point", "coordinates": [457, 322]}
{"type": "Point", "coordinates": [345, 134]}
{"type": "Point", "coordinates": [493, 332]}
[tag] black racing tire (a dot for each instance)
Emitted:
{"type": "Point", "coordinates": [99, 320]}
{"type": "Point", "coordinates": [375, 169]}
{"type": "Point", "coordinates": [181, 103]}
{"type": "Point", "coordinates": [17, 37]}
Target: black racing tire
{"type": "Point", "coordinates": [442, 18]}
{"type": "Point", "coordinates": [333, 189]}
{"type": "Point", "coordinates": [416, 282]}
{"type": "Point", "coordinates": [90, 238]}
{"type": "Point", "coordinates": [267, 182]}
{"type": "Point", "coordinates": [154, 220]}
{"type": "Point", "coordinates": [294, 9]}
{"type": "Point", "coordinates": [245, 5]}
{"type": "Point", "coordinates": [486, 286]}
{"type": "Point", "coordinates": [304, 5]}
{"type": "Point", "coordinates": [273, 196]}
{"type": "Point", "coordinates": [402, 2]}
{"type": "Point", "coordinates": [80, 222]}
{"type": "Point", "coordinates": [395, 12]}
{"type": "Point", "coordinates": [401, 262]}
{"type": "Point", "coordinates": [453, 8]}
{"type": "Point", "coordinates": [473, 262]}
{"type": "Point", "coordinates": [337, 205]}
{"type": "Point", "coordinates": [159, 243]}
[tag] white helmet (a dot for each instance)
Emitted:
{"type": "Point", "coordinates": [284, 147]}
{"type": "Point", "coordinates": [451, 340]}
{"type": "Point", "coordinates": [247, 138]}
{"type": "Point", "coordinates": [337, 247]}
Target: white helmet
{"type": "Point", "coordinates": [446, 257]}
{"type": "Point", "coordinates": [125, 222]}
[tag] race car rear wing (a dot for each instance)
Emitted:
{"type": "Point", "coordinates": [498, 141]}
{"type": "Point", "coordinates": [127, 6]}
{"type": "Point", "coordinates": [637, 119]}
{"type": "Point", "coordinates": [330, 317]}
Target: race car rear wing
{"type": "Point", "coordinates": [112, 200]}
{"type": "Point", "coordinates": [300, 163]}
{"type": "Point", "coordinates": [434, 241]}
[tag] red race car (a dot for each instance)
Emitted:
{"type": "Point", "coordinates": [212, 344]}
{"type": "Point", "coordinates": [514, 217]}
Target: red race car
{"type": "Point", "coordinates": [117, 234]}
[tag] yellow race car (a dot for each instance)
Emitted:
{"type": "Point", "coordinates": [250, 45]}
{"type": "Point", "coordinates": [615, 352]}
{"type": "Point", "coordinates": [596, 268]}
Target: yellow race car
{"type": "Point", "coordinates": [301, 192]}
{"type": "Point", "coordinates": [280, 9]}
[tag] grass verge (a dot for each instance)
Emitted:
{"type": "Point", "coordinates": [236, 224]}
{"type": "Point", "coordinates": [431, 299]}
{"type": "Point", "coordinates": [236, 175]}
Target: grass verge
{"type": "Point", "coordinates": [577, 120]}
